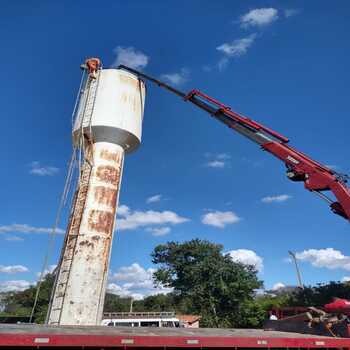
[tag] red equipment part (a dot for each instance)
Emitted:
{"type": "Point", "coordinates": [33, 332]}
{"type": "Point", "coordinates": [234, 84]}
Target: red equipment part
{"type": "Point", "coordinates": [338, 305]}
{"type": "Point", "coordinates": [317, 178]}
{"type": "Point", "coordinates": [43, 337]}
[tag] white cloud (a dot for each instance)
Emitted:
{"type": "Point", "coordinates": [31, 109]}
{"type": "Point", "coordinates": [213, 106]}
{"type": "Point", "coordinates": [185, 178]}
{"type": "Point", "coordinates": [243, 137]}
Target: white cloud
{"type": "Point", "coordinates": [177, 78]}
{"type": "Point", "coordinates": [154, 199]}
{"type": "Point", "coordinates": [50, 269]}
{"type": "Point", "coordinates": [238, 47]}
{"type": "Point", "coordinates": [130, 57]}
{"type": "Point", "coordinates": [223, 62]}
{"type": "Point", "coordinates": [216, 164]}
{"type": "Point", "coordinates": [132, 273]}
{"type": "Point", "coordinates": [134, 219]}
{"type": "Point", "coordinates": [291, 12]}
{"type": "Point", "coordinates": [10, 269]}
{"type": "Point", "coordinates": [123, 210]}
{"type": "Point", "coordinates": [159, 231]}
{"type": "Point", "coordinates": [14, 238]}
{"type": "Point", "coordinates": [42, 170]}
{"type": "Point", "coordinates": [278, 285]}
{"type": "Point", "coordinates": [14, 285]}
{"type": "Point", "coordinates": [220, 160]}
{"type": "Point", "coordinates": [223, 156]}
{"type": "Point", "coordinates": [329, 258]}
{"type": "Point", "coordinates": [259, 17]}
{"type": "Point", "coordinates": [24, 228]}
{"type": "Point", "coordinates": [248, 257]}
{"type": "Point", "coordinates": [276, 199]}
{"type": "Point", "coordinates": [220, 218]}
{"type": "Point", "coordinates": [123, 292]}
{"type": "Point", "coordinates": [287, 260]}
{"type": "Point", "coordinates": [135, 281]}
{"type": "Point", "coordinates": [345, 279]}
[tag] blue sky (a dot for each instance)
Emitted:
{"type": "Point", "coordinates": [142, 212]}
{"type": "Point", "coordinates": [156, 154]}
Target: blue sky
{"type": "Point", "coordinates": [284, 64]}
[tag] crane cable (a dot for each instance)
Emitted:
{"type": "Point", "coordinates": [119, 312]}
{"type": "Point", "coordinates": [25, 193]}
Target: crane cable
{"type": "Point", "coordinates": [53, 232]}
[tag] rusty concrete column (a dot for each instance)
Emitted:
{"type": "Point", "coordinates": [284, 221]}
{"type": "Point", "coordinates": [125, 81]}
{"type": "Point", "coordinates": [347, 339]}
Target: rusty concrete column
{"type": "Point", "coordinates": [84, 290]}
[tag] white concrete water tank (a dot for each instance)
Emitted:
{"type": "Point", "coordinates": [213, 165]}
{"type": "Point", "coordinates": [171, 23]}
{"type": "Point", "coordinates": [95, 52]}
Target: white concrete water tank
{"type": "Point", "coordinates": [112, 110]}
{"type": "Point", "coordinates": [108, 124]}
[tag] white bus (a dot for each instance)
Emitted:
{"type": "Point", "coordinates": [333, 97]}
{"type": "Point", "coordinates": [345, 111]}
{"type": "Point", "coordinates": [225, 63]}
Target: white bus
{"type": "Point", "coordinates": [141, 319]}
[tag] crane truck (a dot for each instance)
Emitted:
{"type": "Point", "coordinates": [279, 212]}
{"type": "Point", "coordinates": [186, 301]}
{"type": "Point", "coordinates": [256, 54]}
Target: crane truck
{"type": "Point", "coordinates": [317, 178]}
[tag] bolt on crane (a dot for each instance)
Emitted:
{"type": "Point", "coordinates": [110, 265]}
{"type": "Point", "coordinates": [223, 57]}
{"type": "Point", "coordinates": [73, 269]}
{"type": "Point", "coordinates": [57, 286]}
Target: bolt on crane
{"type": "Point", "coordinates": [316, 177]}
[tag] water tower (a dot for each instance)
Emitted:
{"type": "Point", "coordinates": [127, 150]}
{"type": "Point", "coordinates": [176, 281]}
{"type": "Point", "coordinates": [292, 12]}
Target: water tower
{"type": "Point", "coordinates": [108, 125]}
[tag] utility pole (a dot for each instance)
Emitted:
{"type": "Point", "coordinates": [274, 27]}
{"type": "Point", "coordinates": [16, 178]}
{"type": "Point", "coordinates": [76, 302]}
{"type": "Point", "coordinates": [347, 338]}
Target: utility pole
{"type": "Point", "coordinates": [131, 304]}
{"type": "Point", "coordinates": [297, 268]}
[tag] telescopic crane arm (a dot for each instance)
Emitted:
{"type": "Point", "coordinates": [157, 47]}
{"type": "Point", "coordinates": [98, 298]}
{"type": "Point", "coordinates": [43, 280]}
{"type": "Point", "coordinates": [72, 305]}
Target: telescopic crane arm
{"type": "Point", "coordinates": [317, 178]}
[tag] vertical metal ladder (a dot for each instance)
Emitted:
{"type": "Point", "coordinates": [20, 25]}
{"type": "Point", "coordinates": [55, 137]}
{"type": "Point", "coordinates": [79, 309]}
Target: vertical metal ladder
{"type": "Point", "coordinates": [90, 100]}
{"type": "Point", "coordinates": [79, 201]}
{"type": "Point", "coordinates": [71, 240]}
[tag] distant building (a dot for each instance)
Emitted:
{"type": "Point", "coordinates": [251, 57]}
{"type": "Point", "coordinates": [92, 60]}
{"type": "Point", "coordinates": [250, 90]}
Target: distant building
{"type": "Point", "coordinates": [189, 321]}
{"type": "Point", "coordinates": [141, 319]}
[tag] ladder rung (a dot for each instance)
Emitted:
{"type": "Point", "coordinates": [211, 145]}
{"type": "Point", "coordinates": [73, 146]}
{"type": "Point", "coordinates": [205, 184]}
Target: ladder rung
{"type": "Point", "coordinates": [59, 296]}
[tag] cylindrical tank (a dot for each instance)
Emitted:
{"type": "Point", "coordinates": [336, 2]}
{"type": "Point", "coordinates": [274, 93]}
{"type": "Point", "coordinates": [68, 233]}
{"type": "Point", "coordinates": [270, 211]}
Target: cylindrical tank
{"type": "Point", "coordinates": [108, 125]}
{"type": "Point", "coordinates": [111, 109]}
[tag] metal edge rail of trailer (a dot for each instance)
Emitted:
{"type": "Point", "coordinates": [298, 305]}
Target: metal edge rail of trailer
{"type": "Point", "coordinates": [44, 337]}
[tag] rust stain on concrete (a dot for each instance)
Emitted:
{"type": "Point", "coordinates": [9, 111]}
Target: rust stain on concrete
{"type": "Point", "coordinates": [86, 243]}
{"type": "Point", "coordinates": [108, 174]}
{"type": "Point", "coordinates": [101, 221]}
{"type": "Point", "coordinates": [129, 81]}
{"type": "Point", "coordinates": [105, 195]}
{"type": "Point", "coordinates": [113, 156]}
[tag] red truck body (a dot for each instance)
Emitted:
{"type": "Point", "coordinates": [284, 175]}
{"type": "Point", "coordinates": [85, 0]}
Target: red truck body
{"type": "Point", "coordinates": [65, 337]}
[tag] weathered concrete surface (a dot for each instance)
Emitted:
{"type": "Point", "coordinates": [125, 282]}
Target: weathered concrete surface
{"type": "Point", "coordinates": [80, 288]}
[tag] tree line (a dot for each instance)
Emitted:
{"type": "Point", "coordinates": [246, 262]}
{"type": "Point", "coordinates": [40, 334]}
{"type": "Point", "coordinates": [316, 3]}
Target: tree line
{"type": "Point", "coordinates": [205, 282]}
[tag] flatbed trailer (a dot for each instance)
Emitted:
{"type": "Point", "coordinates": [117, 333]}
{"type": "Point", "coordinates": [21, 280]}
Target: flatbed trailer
{"type": "Point", "coordinates": [102, 337]}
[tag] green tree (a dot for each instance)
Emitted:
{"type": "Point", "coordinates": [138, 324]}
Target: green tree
{"type": "Point", "coordinates": [158, 303]}
{"type": "Point", "coordinates": [221, 290]}
{"type": "Point", "coordinates": [115, 303]}
{"type": "Point", "coordinates": [320, 294]}
{"type": "Point", "coordinates": [269, 301]}
{"type": "Point", "coordinates": [21, 303]}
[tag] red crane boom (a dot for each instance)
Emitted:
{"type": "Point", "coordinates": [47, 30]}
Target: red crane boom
{"type": "Point", "coordinates": [317, 178]}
